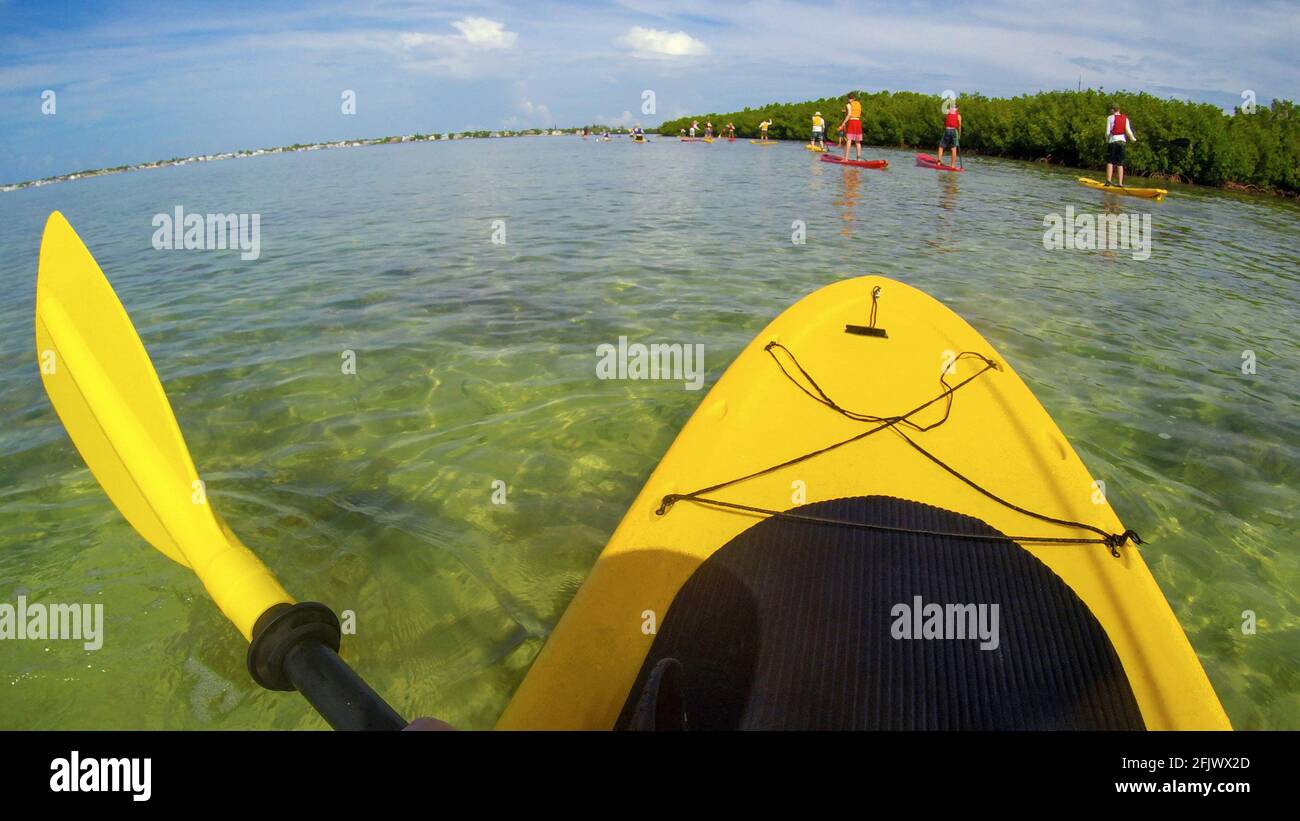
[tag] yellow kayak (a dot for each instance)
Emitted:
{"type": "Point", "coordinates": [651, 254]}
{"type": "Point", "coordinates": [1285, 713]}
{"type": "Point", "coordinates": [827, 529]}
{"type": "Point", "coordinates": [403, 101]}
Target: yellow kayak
{"type": "Point", "coordinates": [819, 149]}
{"type": "Point", "coordinates": [1156, 194]}
{"type": "Point", "coordinates": [859, 465]}
{"type": "Point", "coordinates": [763, 142]}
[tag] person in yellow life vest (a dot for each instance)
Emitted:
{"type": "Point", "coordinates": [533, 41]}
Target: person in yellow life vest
{"type": "Point", "coordinates": [852, 126]}
{"type": "Point", "coordinates": [951, 132]}
{"type": "Point", "coordinates": [1118, 133]}
{"type": "Point", "coordinates": [762, 130]}
{"type": "Point", "coordinates": [819, 130]}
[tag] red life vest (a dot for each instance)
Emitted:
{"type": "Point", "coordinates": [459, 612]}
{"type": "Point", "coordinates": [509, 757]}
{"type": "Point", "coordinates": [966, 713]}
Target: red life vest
{"type": "Point", "coordinates": [1119, 126]}
{"type": "Point", "coordinates": [953, 118]}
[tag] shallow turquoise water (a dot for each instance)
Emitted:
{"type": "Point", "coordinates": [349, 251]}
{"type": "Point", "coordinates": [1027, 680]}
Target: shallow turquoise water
{"type": "Point", "coordinates": [476, 364]}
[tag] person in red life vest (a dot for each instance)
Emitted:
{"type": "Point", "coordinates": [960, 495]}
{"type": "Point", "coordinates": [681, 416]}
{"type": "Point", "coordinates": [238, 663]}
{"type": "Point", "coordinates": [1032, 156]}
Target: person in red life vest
{"type": "Point", "coordinates": [1118, 133]}
{"type": "Point", "coordinates": [951, 132]}
{"type": "Point", "coordinates": [852, 126]}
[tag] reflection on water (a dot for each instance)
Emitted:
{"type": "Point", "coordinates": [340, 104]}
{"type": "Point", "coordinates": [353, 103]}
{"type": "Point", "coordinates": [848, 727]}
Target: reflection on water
{"type": "Point", "coordinates": [1110, 206]}
{"type": "Point", "coordinates": [948, 199]}
{"type": "Point", "coordinates": [848, 198]}
{"type": "Point", "coordinates": [942, 237]}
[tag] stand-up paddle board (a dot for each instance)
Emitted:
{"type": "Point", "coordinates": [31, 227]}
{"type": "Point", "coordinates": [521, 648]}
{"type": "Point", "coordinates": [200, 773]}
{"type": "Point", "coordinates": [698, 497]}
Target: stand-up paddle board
{"type": "Point", "coordinates": [931, 162]}
{"type": "Point", "coordinates": [838, 160]}
{"type": "Point", "coordinates": [1156, 194]}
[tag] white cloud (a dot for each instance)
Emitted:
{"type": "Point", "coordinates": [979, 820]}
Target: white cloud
{"type": "Point", "coordinates": [655, 43]}
{"type": "Point", "coordinates": [475, 33]}
{"type": "Point", "coordinates": [535, 113]}
{"type": "Point", "coordinates": [626, 118]}
{"type": "Point", "coordinates": [485, 33]}
{"type": "Point", "coordinates": [476, 49]}
{"type": "Point", "coordinates": [415, 39]}
{"type": "Point", "coordinates": [528, 114]}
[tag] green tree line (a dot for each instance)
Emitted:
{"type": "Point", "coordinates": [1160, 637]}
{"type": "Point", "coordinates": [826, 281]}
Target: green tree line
{"type": "Point", "coordinates": [1192, 142]}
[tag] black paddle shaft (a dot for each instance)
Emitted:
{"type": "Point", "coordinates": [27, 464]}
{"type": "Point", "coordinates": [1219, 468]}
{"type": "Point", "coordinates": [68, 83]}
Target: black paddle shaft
{"type": "Point", "coordinates": [336, 691]}
{"type": "Point", "coordinates": [295, 647]}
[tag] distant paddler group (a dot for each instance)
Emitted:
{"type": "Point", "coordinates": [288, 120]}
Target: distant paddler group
{"type": "Point", "coordinates": [690, 135]}
{"type": "Point", "coordinates": [695, 127]}
{"type": "Point", "coordinates": [951, 127]}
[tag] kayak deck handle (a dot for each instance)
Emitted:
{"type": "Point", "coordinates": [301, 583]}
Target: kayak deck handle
{"type": "Point", "coordinates": [869, 329]}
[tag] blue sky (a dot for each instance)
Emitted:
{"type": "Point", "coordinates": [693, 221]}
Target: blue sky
{"type": "Point", "coordinates": [144, 81]}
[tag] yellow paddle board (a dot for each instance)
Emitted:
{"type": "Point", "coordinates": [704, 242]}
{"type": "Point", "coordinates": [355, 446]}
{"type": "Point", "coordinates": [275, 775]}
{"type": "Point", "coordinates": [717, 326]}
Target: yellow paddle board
{"type": "Point", "coordinates": [1156, 194]}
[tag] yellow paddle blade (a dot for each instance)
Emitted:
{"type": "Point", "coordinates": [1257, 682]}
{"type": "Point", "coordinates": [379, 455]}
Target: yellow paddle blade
{"type": "Point", "coordinates": [107, 394]}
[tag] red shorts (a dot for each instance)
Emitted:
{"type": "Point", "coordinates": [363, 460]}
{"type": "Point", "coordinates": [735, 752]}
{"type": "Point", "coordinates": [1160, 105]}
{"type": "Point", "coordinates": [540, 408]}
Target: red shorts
{"type": "Point", "coordinates": [854, 129]}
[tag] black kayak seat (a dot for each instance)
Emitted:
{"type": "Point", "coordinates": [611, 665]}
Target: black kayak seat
{"type": "Point", "coordinates": [788, 626]}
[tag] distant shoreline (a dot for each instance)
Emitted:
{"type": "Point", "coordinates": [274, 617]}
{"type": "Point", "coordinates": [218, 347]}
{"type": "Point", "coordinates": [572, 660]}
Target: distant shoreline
{"type": "Point", "coordinates": [287, 149]}
{"type": "Point", "coordinates": [556, 132]}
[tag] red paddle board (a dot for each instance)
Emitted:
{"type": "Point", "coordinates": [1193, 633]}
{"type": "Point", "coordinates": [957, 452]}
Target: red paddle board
{"type": "Point", "coordinates": [829, 157]}
{"type": "Point", "coordinates": [928, 161]}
